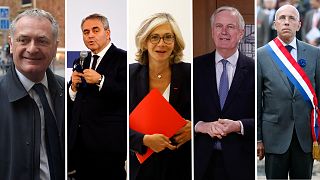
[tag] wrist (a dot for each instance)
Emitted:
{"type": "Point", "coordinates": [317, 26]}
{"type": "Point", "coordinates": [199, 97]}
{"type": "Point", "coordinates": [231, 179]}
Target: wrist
{"type": "Point", "coordinates": [99, 80]}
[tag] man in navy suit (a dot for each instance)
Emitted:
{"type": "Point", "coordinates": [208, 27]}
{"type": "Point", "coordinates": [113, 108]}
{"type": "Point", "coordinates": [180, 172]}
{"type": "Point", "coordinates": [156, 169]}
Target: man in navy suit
{"type": "Point", "coordinates": [97, 99]}
{"type": "Point", "coordinates": [224, 104]}
{"type": "Point", "coordinates": [284, 127]}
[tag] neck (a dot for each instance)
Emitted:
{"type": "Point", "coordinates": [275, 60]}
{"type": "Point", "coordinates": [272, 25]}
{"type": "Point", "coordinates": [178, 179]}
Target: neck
{"type": "Point", "coordinates": [158, 67]}
{"type": "Point", "coordinates": [226, 53]}
{"type": "Point", "coordinates": [286, 40]}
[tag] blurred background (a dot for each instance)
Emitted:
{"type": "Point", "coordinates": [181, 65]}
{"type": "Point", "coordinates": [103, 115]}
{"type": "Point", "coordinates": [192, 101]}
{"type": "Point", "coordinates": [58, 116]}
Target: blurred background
{"type": "Point", "coordinates": [9, 9]}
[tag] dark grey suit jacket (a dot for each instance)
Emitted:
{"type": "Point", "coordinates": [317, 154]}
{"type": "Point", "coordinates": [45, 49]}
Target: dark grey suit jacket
{"type": "Point", "coordinates": [18, 126]}
{"type": "Point", "coordinates": [279, 109]}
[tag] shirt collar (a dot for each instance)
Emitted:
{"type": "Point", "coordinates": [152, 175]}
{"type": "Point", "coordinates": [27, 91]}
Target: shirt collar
{"type": "Point", "coordinates": [104, 50]}
{"type": "Point", "coordinates": [293, 43]}
{"type": "Point", "coordinates": [232, 59]}
{"type": "Point", "coordinates": [28, 84]}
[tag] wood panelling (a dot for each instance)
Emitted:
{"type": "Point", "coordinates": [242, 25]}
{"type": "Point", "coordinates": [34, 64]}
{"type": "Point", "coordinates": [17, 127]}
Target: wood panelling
{"type": "Point", "coordinates": [202, 11]}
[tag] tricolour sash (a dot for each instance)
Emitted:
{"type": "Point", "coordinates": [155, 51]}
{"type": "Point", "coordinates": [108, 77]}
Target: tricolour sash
{"type": "Point", "coordinates": [300, 80]}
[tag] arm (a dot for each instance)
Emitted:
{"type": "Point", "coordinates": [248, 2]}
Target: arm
{"type": "Point", "coordinates": [260, 146]}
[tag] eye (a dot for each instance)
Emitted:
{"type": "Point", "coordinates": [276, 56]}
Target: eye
{"type": "Point", "coordinates": [154, 37]}
{"type": "Point", "coordinates": [23, 40]}
{"type": "Point", "coordinates": [231, 26]}
{"type": "Point", "coordinates": [85, 33]}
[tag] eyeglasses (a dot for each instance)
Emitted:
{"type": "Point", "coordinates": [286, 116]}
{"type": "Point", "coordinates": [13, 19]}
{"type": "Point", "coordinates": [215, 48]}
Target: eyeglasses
{"type": "Point", "coordinates": [167, 38]}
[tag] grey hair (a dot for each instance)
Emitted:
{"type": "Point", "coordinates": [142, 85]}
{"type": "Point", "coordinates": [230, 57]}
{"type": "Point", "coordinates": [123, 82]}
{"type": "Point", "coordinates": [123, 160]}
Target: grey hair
{"type": "Point", "coordinates": [284, 6]}
{"type": "Point", "coordinates": [35, 12]}
{"type": "Point", "coordinates": [100, 17]}
{"type": "Point", "coordinates": [146, 28]}
{"type": "Point", "coordinates": [233, 10]}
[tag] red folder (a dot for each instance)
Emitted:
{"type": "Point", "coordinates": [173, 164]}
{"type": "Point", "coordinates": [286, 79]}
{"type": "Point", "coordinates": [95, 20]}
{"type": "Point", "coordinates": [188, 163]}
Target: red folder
{"type": "Point", "coordinates": [154, 115]}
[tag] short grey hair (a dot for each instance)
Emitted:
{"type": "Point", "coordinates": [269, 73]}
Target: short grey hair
{"type": "Point", "coordinates": [233, 10]}
{"type": "Point", "coordinates": [145, 29]}
{"type": "Point", "coordinates": [100, 17]}
{"type": "Point", "coordinates": [35, 12]}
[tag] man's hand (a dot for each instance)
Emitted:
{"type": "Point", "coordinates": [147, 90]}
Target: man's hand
{"type": "Point", "coordinates": [157, 142]}
{"type": "Point", "coordinates": [91, 76]}
{"type": "Point", "coordinates": [75, 79]}
{"type": "Point", "coordinates": [260, 150]}
{"type": "Point", "coordinates": [184, 134]}
{"type": "Point", "coordinates": [230, 126]}
{"type": "Point", "coordinates": [214, 129]}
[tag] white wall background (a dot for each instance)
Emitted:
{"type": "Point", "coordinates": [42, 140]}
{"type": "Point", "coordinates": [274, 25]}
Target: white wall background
{"type": "Point", "coordinates": [139, 10]}
{"type": "Point", "coordinates": [114, 10]}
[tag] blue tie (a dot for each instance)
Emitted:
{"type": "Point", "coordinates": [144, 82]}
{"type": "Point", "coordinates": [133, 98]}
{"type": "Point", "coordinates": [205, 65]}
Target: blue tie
{"type": "Point", "coordinates": [224, 84]}
{"type": "Point", "coordinates": [56, 163]}
{"type": "Point", "coordinates": [289, 48]}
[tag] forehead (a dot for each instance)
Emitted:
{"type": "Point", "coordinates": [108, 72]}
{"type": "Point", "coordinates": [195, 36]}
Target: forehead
{"type": "Point", "coordinates": [32, 25]}
{"type": "Point", "coordinates": [164, 28]}
{"type": "Point", "coordinates": [287, 11]}
{"type": "Point", "coordinates": [90, 23]}
{"type": "Point", "coordinates": [226, 17]}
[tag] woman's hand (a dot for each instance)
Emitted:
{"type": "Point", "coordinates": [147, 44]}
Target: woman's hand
{"type": "Point", "coordinates": [157, 142]}
{"type": "Point", "coordinates": [184, 134]}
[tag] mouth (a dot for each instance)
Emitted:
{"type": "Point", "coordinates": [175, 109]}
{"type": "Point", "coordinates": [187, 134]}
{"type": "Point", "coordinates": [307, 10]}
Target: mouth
{"type": "Point", "coordinates": [32, 58]}
{"type": "Point", "coordinates": [224, 39]}
{"type": "Point", "coordinates": [161, 51]}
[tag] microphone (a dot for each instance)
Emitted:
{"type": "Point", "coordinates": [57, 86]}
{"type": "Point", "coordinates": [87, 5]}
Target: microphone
{"type": "Point", "coordinates": [83, 55]}
{"type": "Point", "coordinates": [79, 68]}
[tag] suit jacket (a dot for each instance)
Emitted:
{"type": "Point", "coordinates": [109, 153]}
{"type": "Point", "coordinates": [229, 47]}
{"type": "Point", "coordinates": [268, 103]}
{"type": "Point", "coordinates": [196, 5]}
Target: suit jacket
{"type": "Point", "coordinates": [279, 109]}
{"type": "Point", "coordinates": [307, 26]}
{"type": "Point", "coordinates": [167, 164]}
{"type": "Point", "coordinates": [237, 149]}
{"type": "Point", "coordinates": [99, 118]}
{"type": "Point", "coordinates": [20, 128]}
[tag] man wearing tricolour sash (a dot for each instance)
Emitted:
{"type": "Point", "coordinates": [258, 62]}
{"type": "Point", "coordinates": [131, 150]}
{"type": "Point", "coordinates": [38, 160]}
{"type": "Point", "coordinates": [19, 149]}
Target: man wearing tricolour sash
{"type": "Point", "coordinates": [288, 92]}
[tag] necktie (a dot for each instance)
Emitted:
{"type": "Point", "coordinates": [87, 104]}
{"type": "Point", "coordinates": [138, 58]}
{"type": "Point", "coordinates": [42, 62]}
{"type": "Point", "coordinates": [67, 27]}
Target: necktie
{"type": "Point", "coordinates": [289, 48]}
{"type": "Point", "coordinates": [94, 63]}
{"type": "Point", "coordinates": [52, 137]}
{"type": "Point", "coordinates": [224, 84]}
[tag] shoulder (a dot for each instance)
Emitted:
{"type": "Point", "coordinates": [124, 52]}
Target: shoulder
{"type": "Point", "coordinates": [136, 68]}
{"type": "Point", "coordinates": [60, 80]}
{"type": "Point", "coordinates": [118, 51]}
{"type": "Point", "coordinates": [203, 60]}
{"type": "Point", "coordinates": [205, 57]}
{"type": "Point", "coordinates": [247, 60]}
{"type": "Point", "coordinates": [183, 66]}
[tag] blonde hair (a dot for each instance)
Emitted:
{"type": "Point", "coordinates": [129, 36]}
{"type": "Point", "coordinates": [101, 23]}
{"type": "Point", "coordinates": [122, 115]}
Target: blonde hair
{"type": "Point", "coordinates": [145, 29]}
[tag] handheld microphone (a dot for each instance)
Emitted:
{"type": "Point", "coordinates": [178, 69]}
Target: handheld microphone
{"type": "Point", "coordinates": [83, 55]}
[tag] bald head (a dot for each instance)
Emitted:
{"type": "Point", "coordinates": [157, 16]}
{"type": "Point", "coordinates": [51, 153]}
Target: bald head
{"type": "Point", "coordinates": [287, 7]}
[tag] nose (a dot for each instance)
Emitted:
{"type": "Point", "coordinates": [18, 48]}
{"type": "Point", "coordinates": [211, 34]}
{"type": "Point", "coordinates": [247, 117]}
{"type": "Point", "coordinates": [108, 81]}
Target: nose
{"type": "Point", "coordinates": [224, 30]}
{"type": "Point", "coordinates": [161, 42]}
{"type": "Point", "coordinates": [32, 47]}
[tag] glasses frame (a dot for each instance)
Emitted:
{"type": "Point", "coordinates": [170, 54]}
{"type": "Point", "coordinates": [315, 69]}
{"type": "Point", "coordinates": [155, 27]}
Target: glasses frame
{"type": "Point", "coordinates": [165, 38]}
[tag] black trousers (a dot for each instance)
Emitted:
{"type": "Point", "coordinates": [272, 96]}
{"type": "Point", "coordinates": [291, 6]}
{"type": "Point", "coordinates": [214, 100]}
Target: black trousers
{"type": "Point", "coordinates": [294, 162]}
{"type": "Point", "coordinates": [216, 168]}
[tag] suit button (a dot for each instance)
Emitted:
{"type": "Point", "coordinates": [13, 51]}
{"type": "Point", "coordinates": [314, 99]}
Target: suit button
{"type": "Point", "coordinates": [293, 100]}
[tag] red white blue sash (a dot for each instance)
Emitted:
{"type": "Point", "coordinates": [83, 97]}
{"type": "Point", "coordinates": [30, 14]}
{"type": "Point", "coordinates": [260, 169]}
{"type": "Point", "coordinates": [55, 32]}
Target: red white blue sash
{"type": "Point", "coordinates": [298, 78]}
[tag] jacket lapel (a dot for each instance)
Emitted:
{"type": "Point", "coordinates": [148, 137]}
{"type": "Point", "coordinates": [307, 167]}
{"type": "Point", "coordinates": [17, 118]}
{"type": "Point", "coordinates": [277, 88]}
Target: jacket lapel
{"type": "Point", "coordinates": [210, 72]}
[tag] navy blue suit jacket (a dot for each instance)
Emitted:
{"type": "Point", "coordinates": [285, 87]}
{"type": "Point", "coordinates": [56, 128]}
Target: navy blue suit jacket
{"type": "Point", "coordinates": [238, 150]}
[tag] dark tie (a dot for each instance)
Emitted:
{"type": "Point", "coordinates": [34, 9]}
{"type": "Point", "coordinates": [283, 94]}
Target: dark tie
{"type": "Point", "coordinates": [52, 137]}
{"type": "Point", "coordinates": [289, 48]}
{"type": "Point", "coordinates": [94, 63]}
{"type": "Point", "coordinates": [224, 84]}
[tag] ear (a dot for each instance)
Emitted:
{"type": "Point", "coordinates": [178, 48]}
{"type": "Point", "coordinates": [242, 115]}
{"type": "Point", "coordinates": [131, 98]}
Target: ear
{"type": "Point", "coordinates": [10, 43]}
